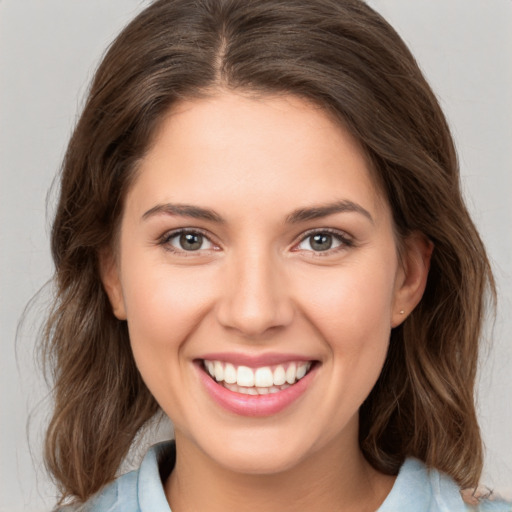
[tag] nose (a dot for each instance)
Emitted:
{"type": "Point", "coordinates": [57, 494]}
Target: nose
{"type": "Point", "coordinates": [256, 297]}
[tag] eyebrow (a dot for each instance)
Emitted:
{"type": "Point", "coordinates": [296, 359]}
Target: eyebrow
{"type": "Point", "coordinates": [297, 216]}
{"type": "Point", "coordinates": [184, 210]}
{"type": "Point", "coordinates": [320, 211]}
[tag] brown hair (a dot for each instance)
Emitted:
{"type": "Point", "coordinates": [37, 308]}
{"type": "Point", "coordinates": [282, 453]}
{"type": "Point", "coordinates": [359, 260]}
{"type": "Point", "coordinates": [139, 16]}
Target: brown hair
{"type": "Point", "coordinates": [342, 56]}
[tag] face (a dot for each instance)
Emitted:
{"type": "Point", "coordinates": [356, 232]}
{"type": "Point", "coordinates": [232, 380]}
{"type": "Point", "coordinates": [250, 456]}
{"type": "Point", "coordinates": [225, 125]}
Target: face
{"type": "Point", "coordinates": [258, 272]}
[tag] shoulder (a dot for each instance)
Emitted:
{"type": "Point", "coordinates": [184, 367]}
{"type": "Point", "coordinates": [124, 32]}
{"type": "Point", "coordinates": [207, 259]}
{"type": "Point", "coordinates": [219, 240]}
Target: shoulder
{"type": "Point", "coordinates": [137, 491]}
{"type": "Point", "coordinates": [420, 489]}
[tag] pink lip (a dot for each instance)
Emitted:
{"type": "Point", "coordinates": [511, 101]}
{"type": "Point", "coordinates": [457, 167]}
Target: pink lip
{"type": "Point", "coordinates": [254, 361]}
{"type": "Point", "coordinates": [255, 405]}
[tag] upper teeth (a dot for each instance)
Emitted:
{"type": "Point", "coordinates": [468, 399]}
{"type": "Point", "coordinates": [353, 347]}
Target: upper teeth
{"type": "Point", "coordinates": [262, 377]}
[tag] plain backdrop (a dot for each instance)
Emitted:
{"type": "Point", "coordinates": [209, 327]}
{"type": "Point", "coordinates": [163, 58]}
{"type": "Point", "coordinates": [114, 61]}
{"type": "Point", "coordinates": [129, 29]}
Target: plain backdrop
{"type": "Point", "coordinates": [48, 52]}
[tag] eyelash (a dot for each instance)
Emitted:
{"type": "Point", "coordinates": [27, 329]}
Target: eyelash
{"type": "Point", "coordinates": [345, 241]}
{"type": "Point", "coordinates": [167, 237]}
{"type": "Point", "coordinates": [340, 236]}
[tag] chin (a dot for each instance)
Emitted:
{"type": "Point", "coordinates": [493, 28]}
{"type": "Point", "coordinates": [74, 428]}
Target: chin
{"type": "Point", "coordinates": [259, 451]}
{"type": "Point", "coordinates": [258, 462]}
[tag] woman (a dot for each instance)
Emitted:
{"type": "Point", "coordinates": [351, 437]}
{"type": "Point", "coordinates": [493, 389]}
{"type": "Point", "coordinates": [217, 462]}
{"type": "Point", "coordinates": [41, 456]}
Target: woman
{"type": "Point", "coordinates": [261, 233]}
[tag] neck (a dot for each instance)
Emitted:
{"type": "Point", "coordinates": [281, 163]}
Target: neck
{"type": "Point", "coordinates": [337, 477]}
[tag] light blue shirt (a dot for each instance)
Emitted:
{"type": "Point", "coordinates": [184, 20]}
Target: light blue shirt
{"type": "Point", "coordinates": [416, 489]}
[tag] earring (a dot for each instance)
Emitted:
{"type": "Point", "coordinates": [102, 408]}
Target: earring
{"type": "Point", "coordinates": [402, 312]}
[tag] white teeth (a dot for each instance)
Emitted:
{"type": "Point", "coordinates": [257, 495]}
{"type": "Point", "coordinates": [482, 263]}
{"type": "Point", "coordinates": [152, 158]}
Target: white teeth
{"type": "Point", "coordinates": [230, 374]}
{"type": "Point", "coordinates": [210, 367]}
{"type": "Point", "coordinates": [291, 373]}
{"type": "Point", "coordinates": [245, 376]}
{"type": "Point", "coordinates": [279, 376]}
{"type": "Point", "coordinates": [219, 371]}
{"type": "Point", "coordinates": [255, 390]}
{"type": "Point", "coordinates": [263, 377]}
{"type": "Point", "coordinates": [301, 370]}
{"type": "Point", "coordinates": [263, 380]}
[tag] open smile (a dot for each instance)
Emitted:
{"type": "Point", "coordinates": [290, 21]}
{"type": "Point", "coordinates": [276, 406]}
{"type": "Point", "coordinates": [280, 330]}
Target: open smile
{"type": "Point", "coordinates": [256, 390]}
{"type": "Point", "coordinates": [257, 381]}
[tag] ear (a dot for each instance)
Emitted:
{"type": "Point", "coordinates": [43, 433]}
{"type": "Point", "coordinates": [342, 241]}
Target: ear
{"type": "Point", "coordinates": [412, 276]}
{"type": "Point", "coordinates": [109, 274]}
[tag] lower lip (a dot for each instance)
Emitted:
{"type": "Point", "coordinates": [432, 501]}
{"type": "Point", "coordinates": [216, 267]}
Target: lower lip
{"type": "Point", "coordinates": [255, 405]}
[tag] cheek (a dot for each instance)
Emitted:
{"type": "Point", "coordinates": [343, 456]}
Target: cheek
{"type": "Point", "coordinates": [351, 306]}
{"type": "Point", "coordinates": [350, 298]}
{"type": "Point", "coordinates": [164, 306]}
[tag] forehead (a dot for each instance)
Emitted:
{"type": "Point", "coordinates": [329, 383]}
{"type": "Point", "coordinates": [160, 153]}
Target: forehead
{"type": "Point", "coordinates": [264, 149]}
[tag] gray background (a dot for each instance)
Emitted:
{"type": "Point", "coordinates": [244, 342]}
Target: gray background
{"type": "Point", "coordinates": [48, 52]}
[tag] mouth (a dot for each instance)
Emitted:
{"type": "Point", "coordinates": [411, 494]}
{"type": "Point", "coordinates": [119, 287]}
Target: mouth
{"type": "Point", "coordinates": [256, 381]}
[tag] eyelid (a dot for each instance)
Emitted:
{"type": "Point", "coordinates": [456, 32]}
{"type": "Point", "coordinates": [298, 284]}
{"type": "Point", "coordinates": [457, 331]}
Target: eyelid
{"type": "Point", "coordinates": [169, 235]}
{"type": "Point", "coordinates": [342, 236]}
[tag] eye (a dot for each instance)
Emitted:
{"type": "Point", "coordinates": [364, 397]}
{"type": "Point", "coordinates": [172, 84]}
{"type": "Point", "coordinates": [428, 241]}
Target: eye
{"type": "Point", "coordinates": [323, 241]}
{"type": "Point", "coordinates": [187, 241]}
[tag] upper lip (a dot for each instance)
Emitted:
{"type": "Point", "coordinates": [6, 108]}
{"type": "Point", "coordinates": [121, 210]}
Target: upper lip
{"type": "Point", "coordinates": [255, 360]}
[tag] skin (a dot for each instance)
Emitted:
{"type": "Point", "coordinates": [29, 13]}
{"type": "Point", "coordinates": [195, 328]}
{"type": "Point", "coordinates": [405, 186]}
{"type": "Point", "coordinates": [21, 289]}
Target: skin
{"type": "Point", "coordinates": [257, 286]}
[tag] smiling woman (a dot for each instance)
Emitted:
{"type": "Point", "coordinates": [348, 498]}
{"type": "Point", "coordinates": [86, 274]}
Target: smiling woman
{"type": "Point", "coordinates": [271, 272]}
{"type": "Point", "coordinates": [261, 233]}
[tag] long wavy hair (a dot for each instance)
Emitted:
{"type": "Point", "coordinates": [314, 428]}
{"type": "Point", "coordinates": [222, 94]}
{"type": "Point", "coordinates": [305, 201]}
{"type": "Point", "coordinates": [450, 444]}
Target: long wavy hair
{"type": "Point", "coordinates": [345, 58]}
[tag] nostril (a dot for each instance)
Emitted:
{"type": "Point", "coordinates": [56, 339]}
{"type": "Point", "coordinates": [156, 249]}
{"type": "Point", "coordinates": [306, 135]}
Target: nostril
{"type": "Point", "coordinates": [252, 318]}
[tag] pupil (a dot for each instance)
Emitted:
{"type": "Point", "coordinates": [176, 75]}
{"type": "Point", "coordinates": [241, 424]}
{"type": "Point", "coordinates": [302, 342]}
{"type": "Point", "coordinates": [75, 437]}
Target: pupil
{"type": "Point", "coordinates": [321, 242]}
{"type": "Point", "coordinates": [191, 241]}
